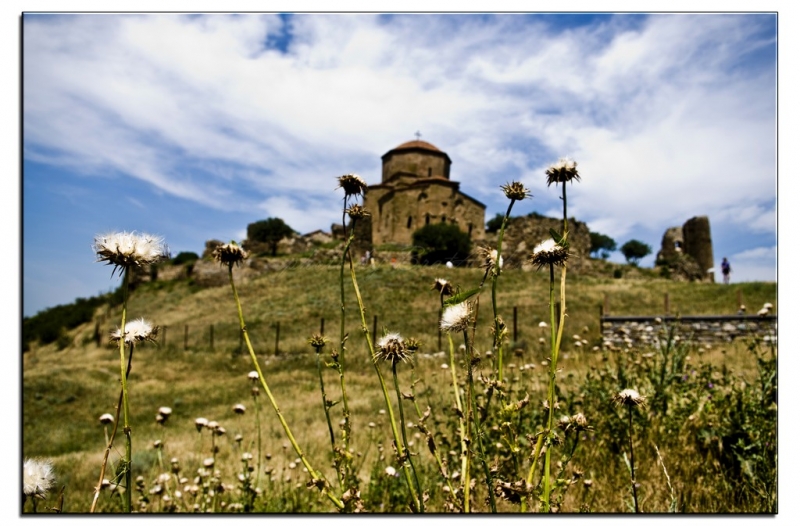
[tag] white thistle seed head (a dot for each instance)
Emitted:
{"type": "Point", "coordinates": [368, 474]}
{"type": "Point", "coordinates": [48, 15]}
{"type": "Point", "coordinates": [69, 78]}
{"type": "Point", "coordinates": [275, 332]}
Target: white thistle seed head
{"type": "Point", "coordinates": [136, 331]}
{"type": "Point", "coordinates": [129, 249]}
{"type": "Point", "coordinates": [37, 477]}
{"type": "Point", "coordinates": [456, 318]}
{"type": "Point", "coordinates": [549, 252]}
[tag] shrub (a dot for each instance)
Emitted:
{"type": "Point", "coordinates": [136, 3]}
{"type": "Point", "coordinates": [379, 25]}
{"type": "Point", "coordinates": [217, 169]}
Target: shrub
{"type": "Point", "coordinates": [185, 257]}
{"type": "Point", "coordinates": [439, 243]}
{"type": "Point", "coordinates": [269, 231]}
{"type": "Point", "coordinates": [602, 243]}
{"type": "Point", "coordinates": [635, 250]}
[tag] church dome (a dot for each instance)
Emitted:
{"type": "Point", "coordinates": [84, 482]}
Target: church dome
{"type": "Point", "coordinates": [417, 144]}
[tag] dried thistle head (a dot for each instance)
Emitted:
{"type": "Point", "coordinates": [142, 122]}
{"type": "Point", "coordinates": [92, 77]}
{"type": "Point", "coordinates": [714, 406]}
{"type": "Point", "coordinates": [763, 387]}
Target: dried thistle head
{"type": "Point", "coordinates": [392, 348]}
{"type": "Point", "coordinates": [549, 252]}
{"type": "Point", "coordinates": [456, 318]}
{"type": "Point", "coordinates": [37, 477]}
{"type": "Point", "coordinates": [413, 344]}
{"type": "Point", "coordinates": [352, 184]}
{"type": "Point", "coordinates": [136, 331]}
{"type": "Point", "coordinates": [562, 171]}
{"type": "Point", "coordinates": [239, 409]}
{"type": "Point", "coordinates": [629, 397]}
{"type": "Point", "coordinates": [229, 254]}
{"type": "Point", "coordinates": [490, 258]}
{"type": "Point", "coordinates": [444, 287]}
{"type": "Point", "coordinates": [129, 249]}
{"type": "Point", "coordinates": [253, 376]}
{"type": "Point", "coordinates": [516, 191]}
{"type": "Point", "coordinates": [578, 422]}
{"type": "Point", "coordinates": [357, 212]}
{"type": "Point", "coordinates": [106, 418]}
{"type": "Point", "coordinates": [317, 341]}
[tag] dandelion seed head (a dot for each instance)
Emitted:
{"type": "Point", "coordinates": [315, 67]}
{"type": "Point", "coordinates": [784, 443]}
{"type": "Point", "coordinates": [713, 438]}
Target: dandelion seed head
{"type": "Point", "coordinates": [548, 252]}
{"type": "Point", "coordinates": [129, 249]}
{"type": "Point", "coordinates": [456, 318]}
{"type": "Point", "coordinates": [565, 169]}
{"type": "Point", "coordinates": [229, 254]}
{"type": "Point", "coordinates": [37, 477]}
{"type": "Point", "coordinates": [136, 331]}
{"type": "Point", "coordinates": [516, 191]}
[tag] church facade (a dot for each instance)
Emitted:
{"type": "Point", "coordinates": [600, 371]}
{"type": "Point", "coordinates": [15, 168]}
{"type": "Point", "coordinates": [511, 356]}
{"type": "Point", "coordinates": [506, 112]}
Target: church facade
{"type": "Point", "coordinates": [416, 190]}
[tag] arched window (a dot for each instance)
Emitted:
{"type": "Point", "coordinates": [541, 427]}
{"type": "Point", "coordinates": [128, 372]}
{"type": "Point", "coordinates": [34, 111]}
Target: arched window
{"type": "Point", "coordinates": [427, 219]}
{"type": "Point", "coordinates": [469, 229]}
{"type": "Point", "coordinates": [408, 224]}
{"type": "Point", "coordinates": [430, 172]}
{"type": "Point", "coordinates": [444, 218]}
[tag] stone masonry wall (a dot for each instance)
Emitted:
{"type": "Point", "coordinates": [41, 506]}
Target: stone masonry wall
{"type": "Point", "coordinates": [647, 331]}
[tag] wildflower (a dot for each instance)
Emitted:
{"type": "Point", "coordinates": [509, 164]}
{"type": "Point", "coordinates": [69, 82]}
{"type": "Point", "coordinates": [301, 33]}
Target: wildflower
{"type": "Point", "coordinates": [136, 331]}
{"type": "Point", "coordinates": [238, 437]}
{"type": "Point", "coordinates": [318, 341]}
{"type": "Point", "coordinates": [209, 462]}
{"type": "Point", "coordinates": [247, 456]}
{"type": "Point", "coordinates": [548, 252]}
{"type": "Point", "coordinates": [390, 471]}
{"type": "Point", "coordinates": [445, 366]}
{"type": "Point", "coordinates": [106, 418]}
{"type": "Point", "coordinates": [456, 317]}
{"type": "Point", "coordinates": [129, 249]}
{"type": "Point", "coordinates": [200, 423]}
{"type": "Point", "coordinates": [37, 477]}
{"type": "Point", "coordinates": [239, 409]}
{"type": "Point", "coordinates": [564, 170]}
{"type": "Point", "coordinates": [413, 344]}
{"type": "Point", "coordinates": [629, 397]}
{"type": "Point", "coordinates": [357, 212]}
{"type": "Point", "coordinates": [163, 415]}
{"type": "Point", "coordinates": [157, 444]}
{"type": "Point", "coordinates": [543, 324]}
{"type": "Point", "coordinates": [490, 260]}
{"type": "Point", "coordinates": [253, 376]}
{"type": "Point", "coordinates": [443, 286]}
{"type": "Point", "coordinates": [579, 422]}
{"type": "Point", "coordinates": [352, 184]}
{"type": "Point", "coordinates": [516, 191]}
{"type": "Point", "coordinates": [392, 348]}
{"type": "Point", "coordinates": [229, 254]}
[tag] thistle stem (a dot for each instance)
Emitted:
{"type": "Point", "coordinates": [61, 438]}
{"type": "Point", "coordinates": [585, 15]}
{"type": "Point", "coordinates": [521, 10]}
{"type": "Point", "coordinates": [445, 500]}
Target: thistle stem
{"type": "Point", "coordinates": [124, 378]}
{"type": "Point", "coordinates": [633, 466]}
{"type": "Point", "coordinates": [405, 440]}
{"type": "Point", "coordinates": [498, 344]}
{"type": "Point", "coordinates": [315, 475]}
{"type": "Point", "coordinates": [345, 255]}
{"type": "Point", "coordinates": [461, 420]}
{"type": "Point", "coordinates": [387, 400]}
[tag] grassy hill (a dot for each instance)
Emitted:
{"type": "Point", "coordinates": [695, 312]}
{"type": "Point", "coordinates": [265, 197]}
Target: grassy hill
{"type": "Point", "coordinates": [199, 370]}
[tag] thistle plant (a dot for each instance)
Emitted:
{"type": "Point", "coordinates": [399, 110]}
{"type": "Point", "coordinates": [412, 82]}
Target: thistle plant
{"type": "Point", "coordinates": [514, 191]}
{"type": "Point", "coordinates": [551, 253]}
{"type": "Point", "coordinates": [354, 187]}
{"type": "Point", "coordinates": [631, 398]}
{"type": "Point", "coordinates": [255, 393]}
{"type": "Point", "coordinates": [392, 348]}
{"type": "Point", "coordinates": [127, 251]}
{"type": "Point", "coordinates": [318, 342]}
{"type": "Point", "coordinates": [37, 478]}
{"type": "Point", "coordinates": [232, 254]}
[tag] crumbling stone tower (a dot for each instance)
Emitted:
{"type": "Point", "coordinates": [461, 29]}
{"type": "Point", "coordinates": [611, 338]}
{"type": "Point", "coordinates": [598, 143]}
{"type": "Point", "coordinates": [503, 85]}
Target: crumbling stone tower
{"type": "Point", "coordinates": [688, 250]}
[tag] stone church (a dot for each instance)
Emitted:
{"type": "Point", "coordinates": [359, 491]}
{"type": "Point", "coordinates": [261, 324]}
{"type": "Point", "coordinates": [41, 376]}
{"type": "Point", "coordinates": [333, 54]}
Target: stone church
{"type": "Point", "coordinates": [416, 190]}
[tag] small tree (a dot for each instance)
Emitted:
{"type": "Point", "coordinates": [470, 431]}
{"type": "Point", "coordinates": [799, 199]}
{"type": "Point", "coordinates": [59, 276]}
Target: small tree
{"type": "Point", "coordinates": [603, 244]}
{"type": "Point", "coordinates": [635, 250]}
{"type": "Point", "coordinates": [494, 224]}
{"type": "Point", "coordinates": [269, 231]}
{"type": "Point", "coordinates": [440, 243]}
{"type": "Point", "coordinates": [185, 257]}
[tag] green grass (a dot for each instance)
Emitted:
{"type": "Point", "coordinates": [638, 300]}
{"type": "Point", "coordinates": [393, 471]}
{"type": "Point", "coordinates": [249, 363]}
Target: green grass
{"type": "Point", "coordinates": [65, 391]}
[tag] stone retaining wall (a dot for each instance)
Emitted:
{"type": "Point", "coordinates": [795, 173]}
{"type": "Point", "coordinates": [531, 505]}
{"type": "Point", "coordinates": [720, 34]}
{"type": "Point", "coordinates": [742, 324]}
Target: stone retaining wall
{"type": "Point", "coordinates": [639, 331]}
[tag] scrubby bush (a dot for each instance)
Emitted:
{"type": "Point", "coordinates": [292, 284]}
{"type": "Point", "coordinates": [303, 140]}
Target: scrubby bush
{"type": "Point", "coordinates": [440, 243]}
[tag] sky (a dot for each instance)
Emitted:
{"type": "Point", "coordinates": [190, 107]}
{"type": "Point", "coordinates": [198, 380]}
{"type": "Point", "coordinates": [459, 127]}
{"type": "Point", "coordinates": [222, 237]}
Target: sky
{"type": "Point", "coordinates": [192, 126]}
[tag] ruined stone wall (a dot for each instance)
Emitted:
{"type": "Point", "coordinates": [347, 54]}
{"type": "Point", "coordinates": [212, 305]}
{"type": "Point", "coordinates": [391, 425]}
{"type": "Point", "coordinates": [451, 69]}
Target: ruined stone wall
{"type": "Point", "coordinates": [648, 331]}
{"type": "Point", "coordinates": [697, 241]}
{"type": "Point", "coordinates": [524, 233]}
{"type": "Point", "coordinates": [687, 251]}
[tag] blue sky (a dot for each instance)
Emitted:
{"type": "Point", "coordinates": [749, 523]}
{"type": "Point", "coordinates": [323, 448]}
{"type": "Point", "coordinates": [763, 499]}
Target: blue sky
{"type": "Point", "coordinates": [191, 127]}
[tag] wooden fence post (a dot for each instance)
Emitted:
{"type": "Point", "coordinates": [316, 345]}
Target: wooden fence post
{"type": "Point", "coordinates": [606, 310]}
{"type": "Point", "coordinates": [322, 326]}
{"type": "Point", "coordinates": [185, 337]}
{"type": "Point", "coordinates": [277, 337]}
{"type": "Point", "coordinates": [211, 336]}
{"type": "Point", "coordinates": [666, 303]}
{"type": "Point", "coordinates": [374, 328]}
{"type": "Point", "coordinates": [164, 337]}
{"type": "Point", "coordinates": [515, 324]}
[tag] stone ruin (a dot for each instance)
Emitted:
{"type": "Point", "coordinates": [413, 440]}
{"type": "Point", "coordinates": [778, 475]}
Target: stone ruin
{"type": "Point", "coordinates": [686, 252]}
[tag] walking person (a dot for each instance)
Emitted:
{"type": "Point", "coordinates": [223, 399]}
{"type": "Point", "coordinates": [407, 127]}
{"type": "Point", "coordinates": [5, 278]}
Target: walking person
{"type": "Point", "coordinates": [726, 271]}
